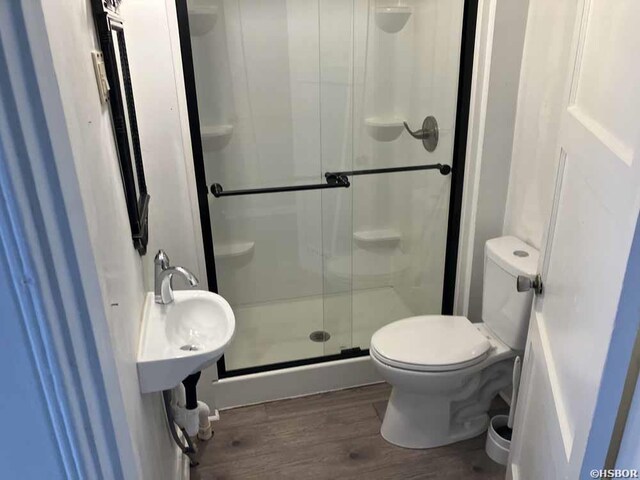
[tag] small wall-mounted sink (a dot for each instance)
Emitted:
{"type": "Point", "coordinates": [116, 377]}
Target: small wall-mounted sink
{"type": "Point", "coordinates": [181, 338]}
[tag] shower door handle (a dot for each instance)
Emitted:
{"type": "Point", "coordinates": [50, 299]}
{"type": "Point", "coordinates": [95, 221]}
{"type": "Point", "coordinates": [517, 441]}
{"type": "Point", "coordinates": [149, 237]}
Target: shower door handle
{"type": "Point", "coordinates": [333, 181]}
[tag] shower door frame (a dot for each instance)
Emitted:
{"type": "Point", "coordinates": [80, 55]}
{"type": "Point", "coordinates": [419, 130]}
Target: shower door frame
{"type": "Point", "coordinates": [455, 198]}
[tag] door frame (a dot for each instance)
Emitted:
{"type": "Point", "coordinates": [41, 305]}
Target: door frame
{"type": "Point", "coordinates": [457, 178]}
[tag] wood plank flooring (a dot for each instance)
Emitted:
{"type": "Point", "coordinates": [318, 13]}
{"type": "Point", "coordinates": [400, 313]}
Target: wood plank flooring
{"type": "Point", "coordinates": [328, 436]}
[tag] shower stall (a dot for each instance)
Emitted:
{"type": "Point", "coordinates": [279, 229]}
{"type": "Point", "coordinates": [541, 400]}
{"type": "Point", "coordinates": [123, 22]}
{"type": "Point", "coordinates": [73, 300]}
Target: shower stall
{"type": "Point", "coordinates": [328, 140]}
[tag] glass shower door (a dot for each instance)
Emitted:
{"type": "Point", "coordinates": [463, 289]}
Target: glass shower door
{"type": "Point", "coordinates": [335, 34]}
{"type": "Point", "coordinates": [327, 220]}
{"type": "Point", "coordinates": [272, 114]}
{"type": "Point", "coordinates": [406, 70]}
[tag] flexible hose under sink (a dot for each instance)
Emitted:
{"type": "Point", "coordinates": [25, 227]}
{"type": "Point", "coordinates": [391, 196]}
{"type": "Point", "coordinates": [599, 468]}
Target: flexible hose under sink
{"type": "Point", "coordinates": [189, 450]}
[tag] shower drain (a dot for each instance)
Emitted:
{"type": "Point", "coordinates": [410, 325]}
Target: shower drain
{"type": "Point", "coordinates": [190, 348]}
{"type": "Point", "coordinates": [319, 336]}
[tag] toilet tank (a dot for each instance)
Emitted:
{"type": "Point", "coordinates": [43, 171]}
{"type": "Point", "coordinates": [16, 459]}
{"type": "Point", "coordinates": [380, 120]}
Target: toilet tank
{"type": "Point", "coordinates": [505, 311]}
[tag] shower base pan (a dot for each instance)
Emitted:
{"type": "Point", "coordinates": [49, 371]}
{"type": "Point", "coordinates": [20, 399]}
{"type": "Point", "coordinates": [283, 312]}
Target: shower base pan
{"type": "Point", "coordinates": [275, 332]}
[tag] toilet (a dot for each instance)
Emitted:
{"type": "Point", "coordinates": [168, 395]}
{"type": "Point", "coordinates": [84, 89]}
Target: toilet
{"type": "Point", "coordinates": [445, 370]}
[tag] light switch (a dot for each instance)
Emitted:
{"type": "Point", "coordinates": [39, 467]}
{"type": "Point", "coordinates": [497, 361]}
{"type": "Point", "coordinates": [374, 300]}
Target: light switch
{"type": "Point", "coordinates": [101, 76]}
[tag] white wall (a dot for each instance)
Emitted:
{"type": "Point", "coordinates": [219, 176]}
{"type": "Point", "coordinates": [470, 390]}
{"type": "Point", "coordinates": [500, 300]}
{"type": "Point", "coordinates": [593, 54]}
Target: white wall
{"type": "Point", "coordinates": [544, 65]}
{"type": "Point", "coordinates": [156, 71]}
{"type": "Point", "coordinates": [72, 37]}
{"type": "Point", "coordinates": [519, 142]}
{"type": "Point", "coordinates": [499, 41]}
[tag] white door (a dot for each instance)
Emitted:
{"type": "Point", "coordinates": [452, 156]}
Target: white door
{"type": "Point", "coordinates": [596, 202]}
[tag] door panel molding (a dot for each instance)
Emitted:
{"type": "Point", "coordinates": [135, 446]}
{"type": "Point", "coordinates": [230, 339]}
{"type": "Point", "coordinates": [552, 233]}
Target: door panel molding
{"type": "Point", "coordinates": [534, 414]}
{"type": "Point", "coordinates": [608, 139]}
{"type": "Point", "coordinates": [553, 379]}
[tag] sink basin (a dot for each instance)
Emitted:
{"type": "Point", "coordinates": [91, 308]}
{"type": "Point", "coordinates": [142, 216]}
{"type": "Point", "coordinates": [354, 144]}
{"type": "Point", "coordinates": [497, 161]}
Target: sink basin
{"type": "Point", "coordinates": [182, 337]}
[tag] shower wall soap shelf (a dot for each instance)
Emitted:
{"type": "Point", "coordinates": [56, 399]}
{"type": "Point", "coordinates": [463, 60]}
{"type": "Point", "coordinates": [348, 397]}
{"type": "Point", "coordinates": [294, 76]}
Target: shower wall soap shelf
{"type": "Point", "coordinates": [384, 129]}
{"type": "Point", "coordinates": [202, 19]}
{"type": "Point", "coordinates": [368, 266]}
{"type": "Point", "coordinates": [234, 250]}
{"type": "Point", "coordinates": [214, 131]}
{"type": "Point", "coordinates": [215, 137]}
{"type": "Point", "coordinates": [378, 238]}
{"type": "Point", "coordinates": [392, 19]}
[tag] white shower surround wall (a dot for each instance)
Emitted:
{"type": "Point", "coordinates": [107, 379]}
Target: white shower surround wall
{"type": "Point", "coordinates": [297, 80]}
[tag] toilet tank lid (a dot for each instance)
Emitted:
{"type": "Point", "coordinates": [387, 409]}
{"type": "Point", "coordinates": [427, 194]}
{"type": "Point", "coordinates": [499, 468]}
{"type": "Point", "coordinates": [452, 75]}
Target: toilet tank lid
{"type": "Point", "coordinates": [513, 255]}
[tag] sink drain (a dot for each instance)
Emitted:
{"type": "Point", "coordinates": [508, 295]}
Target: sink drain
{"type": "Point", "coordinates": [319, 336]}
{"type": "Point", "coordinates": [190, 348]}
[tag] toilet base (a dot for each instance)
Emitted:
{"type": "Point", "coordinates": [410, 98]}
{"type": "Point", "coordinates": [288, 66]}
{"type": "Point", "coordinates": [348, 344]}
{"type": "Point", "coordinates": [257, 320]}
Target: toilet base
{"type": "Point", "coordinates": [419, 421]}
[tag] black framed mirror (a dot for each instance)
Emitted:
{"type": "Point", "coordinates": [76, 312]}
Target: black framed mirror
{"type": "Point", "coordinates": [112, 40]}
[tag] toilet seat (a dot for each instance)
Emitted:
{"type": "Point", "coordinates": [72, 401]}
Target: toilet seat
{"type": "Point", "coordinates": [430, 343]}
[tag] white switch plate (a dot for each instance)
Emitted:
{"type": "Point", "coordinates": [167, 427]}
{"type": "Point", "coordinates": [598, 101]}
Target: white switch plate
{"type": "Point", "coordinates": [101, 76]}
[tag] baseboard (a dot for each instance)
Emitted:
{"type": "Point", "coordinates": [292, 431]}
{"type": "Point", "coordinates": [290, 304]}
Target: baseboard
{"type": "Point", "coordinates": [288, 383]}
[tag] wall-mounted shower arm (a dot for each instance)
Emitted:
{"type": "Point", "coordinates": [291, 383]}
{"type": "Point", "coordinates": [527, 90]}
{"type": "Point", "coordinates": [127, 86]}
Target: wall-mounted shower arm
{"type": "Point", "coordinates": [429, 133]}
{"type": "Point", "coordinates": [333, 181]}
{"type": "Point", "coordinates": [444, 170]}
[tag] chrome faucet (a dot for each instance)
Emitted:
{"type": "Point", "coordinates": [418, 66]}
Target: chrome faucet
{"type": "Point", "coordinates": [164, 273]}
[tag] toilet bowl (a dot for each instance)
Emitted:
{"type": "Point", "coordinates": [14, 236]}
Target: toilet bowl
{"type": "Point", "coordinates": [437, 402]}
{"type": "Point", "coordinates": [446, 370]}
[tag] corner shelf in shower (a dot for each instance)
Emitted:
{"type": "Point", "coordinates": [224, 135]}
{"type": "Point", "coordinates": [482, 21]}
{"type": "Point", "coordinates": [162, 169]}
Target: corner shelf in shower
{"type": "Point", "coordinates": [234, 250]}
{"type": "Point", "coordinates": [202, 19]}
{"type": "Point", "coordinates": [215, 137]}
{"type": "Point", "coordinates": [392, 19]}
{"type": "Point", "coordinates": [367, 267]}
{"type": "Point", "coordinates": [384, 129]}
{"type": "Point", "coordinates": [378, 238]}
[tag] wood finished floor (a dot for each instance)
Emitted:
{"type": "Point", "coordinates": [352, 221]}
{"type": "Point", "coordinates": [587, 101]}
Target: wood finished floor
{"type": "Point", "coordinates": [328, 436]}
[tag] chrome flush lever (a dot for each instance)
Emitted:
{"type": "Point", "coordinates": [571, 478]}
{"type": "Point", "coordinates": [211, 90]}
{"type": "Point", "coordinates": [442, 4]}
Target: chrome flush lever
{"type": "Point", "coordinates": [429, 133]}
{"type": "Point", "coordinates": [524, 284]}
